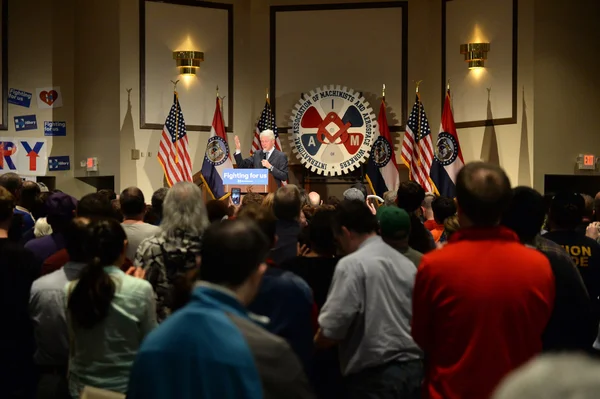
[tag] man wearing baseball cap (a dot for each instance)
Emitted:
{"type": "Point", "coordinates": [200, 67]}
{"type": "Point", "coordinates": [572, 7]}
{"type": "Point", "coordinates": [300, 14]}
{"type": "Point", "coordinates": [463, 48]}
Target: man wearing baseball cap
{"type": "Point", "coordinates": [394, 225]}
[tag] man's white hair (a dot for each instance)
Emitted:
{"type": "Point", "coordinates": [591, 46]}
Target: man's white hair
{"type": "Point", "coordinates": [555, 376]}
{"type": "Point", "coordinates": [268, 133]}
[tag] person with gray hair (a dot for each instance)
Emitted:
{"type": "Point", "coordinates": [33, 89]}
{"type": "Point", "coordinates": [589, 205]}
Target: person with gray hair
{"type": "Point", "coordinates": [354, 194]}
{"type": "Point", "coordinates": [426, 207]}
{"type": "Point", "coordinates": [268, 157]}
{"type": "Point", "coordinates": [389, 198]}
{"type": "Point", "coordinates": [170, 257]}
{"type": "Point", "coordinates": [553, 376]}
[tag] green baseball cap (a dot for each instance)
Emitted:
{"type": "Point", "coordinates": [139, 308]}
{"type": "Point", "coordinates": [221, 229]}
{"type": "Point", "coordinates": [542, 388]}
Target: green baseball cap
{"type": "Point", "coordinates": [393, 220]}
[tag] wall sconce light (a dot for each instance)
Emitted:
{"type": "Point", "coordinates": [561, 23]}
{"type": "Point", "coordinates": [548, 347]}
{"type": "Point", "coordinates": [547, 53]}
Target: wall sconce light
{"type": "Point", "coordinates": [475, 54]}
{"type": "Point", "coordinates": [188, 62]}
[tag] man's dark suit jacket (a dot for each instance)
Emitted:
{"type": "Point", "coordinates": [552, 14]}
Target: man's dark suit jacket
{"type": "Point", "coordinates": [278, 159]}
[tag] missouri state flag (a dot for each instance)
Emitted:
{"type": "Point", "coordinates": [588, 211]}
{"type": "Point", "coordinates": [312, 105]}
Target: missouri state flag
{"type": "Point", "coordinates": [216, 158]}
{"type": "Point", "coordinates": [448, 158]}
{"type": "Point", "coordinates": [382, 169]}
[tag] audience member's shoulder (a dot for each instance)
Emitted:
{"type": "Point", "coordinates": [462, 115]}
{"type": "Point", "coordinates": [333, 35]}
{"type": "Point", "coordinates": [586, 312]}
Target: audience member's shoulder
{"type": "Point", "coordinates": [259, 339]}
{"type": "Point", "coordinates": [286, 281]}
{"type": "Point", "coordinates": [13, 249]}
{"type": "Point", "coordinates": [591, 242]}
{"type": "Point", "coordinates": [148, 245]}
{"type": "Point", "coordinates": [48, 282]}
{"type": "Point", "coordinates": [137, 285]}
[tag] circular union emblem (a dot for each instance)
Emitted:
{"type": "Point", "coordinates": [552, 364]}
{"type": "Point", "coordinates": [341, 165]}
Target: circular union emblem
{"type": "Point", "coordinates": [381, 152]}
{"type": "Point", "coordinates": [333, 130]}
{"type": "Point", "coordinates": [446, 148]}
{"type": "Point", "coordinates": [217, 150]}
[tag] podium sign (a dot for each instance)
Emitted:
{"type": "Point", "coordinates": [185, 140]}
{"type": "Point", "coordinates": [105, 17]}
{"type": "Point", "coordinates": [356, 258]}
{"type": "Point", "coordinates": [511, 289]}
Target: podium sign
{"type": "Point", "coordinates": [249, 180]}
{"type": "Point", "coordinates": [246, 177]}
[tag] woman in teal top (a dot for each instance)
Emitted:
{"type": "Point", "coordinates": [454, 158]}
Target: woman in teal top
{"type": "Point", "coordinates": [109, 313]}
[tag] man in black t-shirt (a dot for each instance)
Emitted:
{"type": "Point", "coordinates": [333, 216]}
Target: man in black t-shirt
{"type": "Point", "coordinates": [17, 272]}
{"type": "Point", "coordinates": [571, 326]}
{"type": "Point", "coordinates": [566, 212]}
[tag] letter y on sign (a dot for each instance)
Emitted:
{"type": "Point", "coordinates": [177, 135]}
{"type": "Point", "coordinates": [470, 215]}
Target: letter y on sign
{"type": "Point", "coordinates": [32, 153]}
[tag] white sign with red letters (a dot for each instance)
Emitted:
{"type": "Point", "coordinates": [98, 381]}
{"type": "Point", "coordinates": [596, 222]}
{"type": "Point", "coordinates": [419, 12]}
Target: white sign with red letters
{"type": "Point", "coordinates": [24, 156]}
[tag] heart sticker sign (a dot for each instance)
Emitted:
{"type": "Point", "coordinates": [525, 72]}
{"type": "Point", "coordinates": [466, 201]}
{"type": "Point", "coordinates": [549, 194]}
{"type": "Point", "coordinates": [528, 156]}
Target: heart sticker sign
{"type": "Point", "coordinates": [49, 97]}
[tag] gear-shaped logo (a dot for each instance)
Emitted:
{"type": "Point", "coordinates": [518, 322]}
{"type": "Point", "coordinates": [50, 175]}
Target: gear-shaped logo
{"type": "Point", "coordinates": [333, 130]}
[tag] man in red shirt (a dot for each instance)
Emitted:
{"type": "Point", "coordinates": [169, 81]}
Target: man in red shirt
{"type": "Point", "coordinates": [481, 303]}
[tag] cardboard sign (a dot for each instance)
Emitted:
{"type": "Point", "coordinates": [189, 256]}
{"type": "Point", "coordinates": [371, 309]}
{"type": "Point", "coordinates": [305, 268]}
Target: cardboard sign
{"type": "Point", "coordinates": [19, 97]}
{"type": "Point", "coordinates": [49, 97]}
{"type": "Point", "coordinates": [25, 122]}
{"type": "Point", "coordinates": [24, 156]}
{"type": "Point", "coordinates": [59, 163]}
{"type": "Point", "coordinates": [246, 177]}
{"type": "Point", "coordinates": [55, 128]}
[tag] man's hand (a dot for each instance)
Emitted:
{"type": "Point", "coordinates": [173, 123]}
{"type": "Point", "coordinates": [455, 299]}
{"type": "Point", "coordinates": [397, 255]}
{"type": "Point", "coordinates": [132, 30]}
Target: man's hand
{"type": "Point", "coordinates": [136, 272]}
{"type": "Point", "coordinates": [266, 164]}
{"type": "Point", "coordinates": [593, 231]}
{"type": "Point", "coordinates": [372, 207]}
{"type": "Point", "coordinates": [322, 342]}
{"type": "Point", "coordinates": [235, 207]}
{"type": "Point", "coordinates": [302, 250]}
{"type": "Point", "coordinates": [238, 146]}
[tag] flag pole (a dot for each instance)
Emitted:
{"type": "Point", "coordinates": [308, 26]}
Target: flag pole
{"type": "Point", "coordinates": [418, 133]}
{"type": "Point", "coordinates": [269, 101]}
{"type": "Point", "coordinates": [176, 120]}
{"type": "Point", "coordinates": [220, 102]}
{"type": "Point", "coordinates": [383, 93]}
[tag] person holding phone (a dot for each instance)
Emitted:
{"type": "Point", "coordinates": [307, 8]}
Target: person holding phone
{"type": "Point", "coordinates": [268, 157]}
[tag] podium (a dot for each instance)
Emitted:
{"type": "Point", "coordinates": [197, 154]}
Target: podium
{"type": "Point", "coordinates": [249, 181]}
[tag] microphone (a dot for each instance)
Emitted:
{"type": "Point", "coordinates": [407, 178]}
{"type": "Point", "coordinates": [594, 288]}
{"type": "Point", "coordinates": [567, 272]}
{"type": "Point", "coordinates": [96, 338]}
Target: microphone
{"type": "Point", "coordinates": [263, 155]}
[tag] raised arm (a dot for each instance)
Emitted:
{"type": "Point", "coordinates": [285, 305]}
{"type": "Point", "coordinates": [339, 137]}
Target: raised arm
{"type": "Point", "coordinates": [241, 162]}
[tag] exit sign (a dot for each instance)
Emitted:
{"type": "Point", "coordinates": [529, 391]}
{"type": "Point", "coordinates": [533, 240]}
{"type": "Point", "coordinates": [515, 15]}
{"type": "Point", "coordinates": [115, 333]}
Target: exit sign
{"type": "Point", "coordinates": [589, 160]}
{"type": "Point", "coordinates": [586, 162]}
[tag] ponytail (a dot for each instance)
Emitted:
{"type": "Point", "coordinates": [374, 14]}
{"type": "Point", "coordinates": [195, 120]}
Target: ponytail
{"type": "Point", "coordinates": [90, 300]}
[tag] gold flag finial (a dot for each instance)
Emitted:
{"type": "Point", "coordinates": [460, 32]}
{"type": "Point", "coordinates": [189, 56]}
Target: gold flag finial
{"type": "Point", "coordinates": [217, 90]}
{"type": "Point", "coordinates": [448, 85]}
{"type": "Point", "coordinates": [383, 91]}
{"type": "Point", "coordinates": [267, 93]}
{"type": "Point", "coordinates": [175, 85]}
{"type": "Point", "coordinates": [418, 83]}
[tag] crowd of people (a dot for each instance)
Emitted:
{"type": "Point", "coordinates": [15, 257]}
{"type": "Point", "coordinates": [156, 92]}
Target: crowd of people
{"type": "Point", "coordinates": [290, 295]}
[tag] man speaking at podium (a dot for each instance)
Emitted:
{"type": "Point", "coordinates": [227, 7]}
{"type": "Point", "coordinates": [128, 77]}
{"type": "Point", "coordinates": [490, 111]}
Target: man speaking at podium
{"type": "Point", "coordinates": [269, 157]}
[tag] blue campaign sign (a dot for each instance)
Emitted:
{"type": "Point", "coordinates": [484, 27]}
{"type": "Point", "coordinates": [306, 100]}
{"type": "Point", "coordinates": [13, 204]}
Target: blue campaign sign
{"type": "Point", "coordinates": [55, 128]}
{"type": "Point", "coordinates": [25, 122]}
{"type": "Point", "coordinates": [59, 163]}
{"type": "Point", "coordinates": [246, 177]}
{"type": "Point", "coordinates": [19, 97]}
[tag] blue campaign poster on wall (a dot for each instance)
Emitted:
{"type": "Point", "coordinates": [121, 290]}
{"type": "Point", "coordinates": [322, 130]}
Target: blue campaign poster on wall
{"type": "Point", "coordinates": [25, 122]}
{"type": "Point", "coordinates": [19, 97]}
{"type": "Point", "coordinates": [52, 128]}
{"type": "Point", "coordinates": [59, 163]}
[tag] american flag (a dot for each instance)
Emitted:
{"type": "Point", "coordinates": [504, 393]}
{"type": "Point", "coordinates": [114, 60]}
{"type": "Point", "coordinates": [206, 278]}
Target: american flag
{"type": "Point", "coordinates": [266, 121]}
{"type": "Point", "coordinates": [173, 152]}
{"type": "Point", "coordinates": [417, 147]}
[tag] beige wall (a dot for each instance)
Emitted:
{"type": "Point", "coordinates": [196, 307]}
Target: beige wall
{"type": "Point", "coordinates": [567, 86]}
{"type": "Point", "coordinates": [514, 143]}
{"type": "Point", "coordinates": [97, 68]}
{"type": "Point", "coordinates": [95, 60]}
{"type": "Point", "coordinates": [40, 54]}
